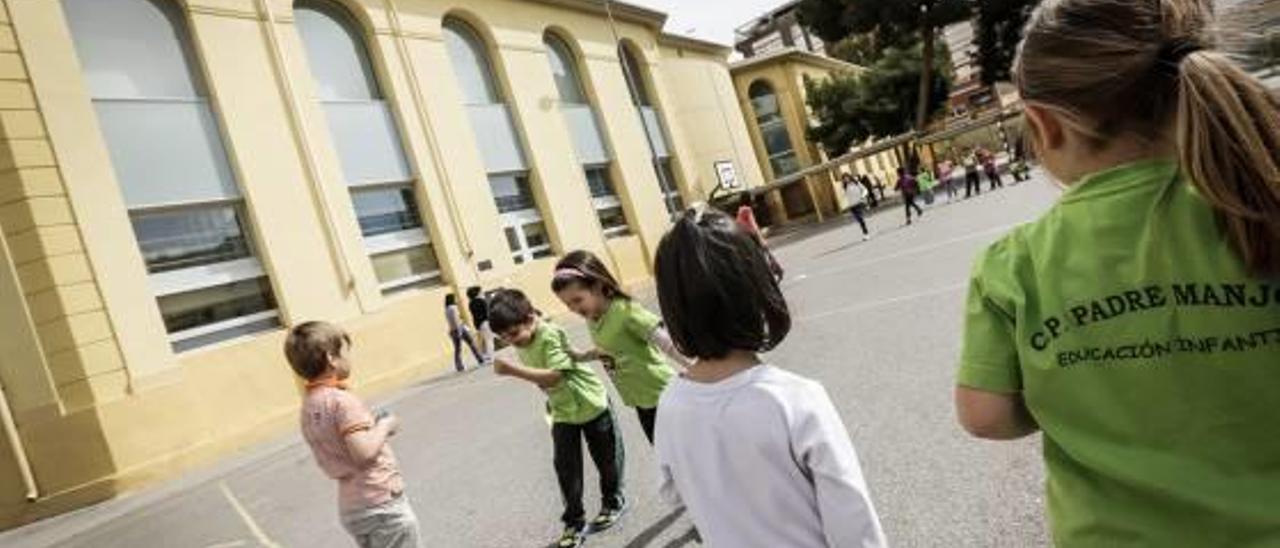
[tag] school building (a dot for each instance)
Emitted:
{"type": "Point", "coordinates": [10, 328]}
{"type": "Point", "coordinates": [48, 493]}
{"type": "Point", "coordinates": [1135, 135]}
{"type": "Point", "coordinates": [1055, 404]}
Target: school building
{"type": "Point", "coordinates": [773, 99]}
{"type": "Point", "coordinates": [182, 180]}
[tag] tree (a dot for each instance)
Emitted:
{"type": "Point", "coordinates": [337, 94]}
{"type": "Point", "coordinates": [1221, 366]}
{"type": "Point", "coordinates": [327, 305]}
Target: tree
{"type": "Point", "coordinates": [894, 23]}
{"type": "Point", "coordinates": [998, 31]}
{"type": "Point", "coordinates": [860, 49]}
{"type": "Point", "coordinates": [853, 107]}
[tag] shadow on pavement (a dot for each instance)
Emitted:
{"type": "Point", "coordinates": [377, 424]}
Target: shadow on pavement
{"type": "Point", "coordinates": [647, 536]}
{"type": "Point", "coordinates": [689, 537]}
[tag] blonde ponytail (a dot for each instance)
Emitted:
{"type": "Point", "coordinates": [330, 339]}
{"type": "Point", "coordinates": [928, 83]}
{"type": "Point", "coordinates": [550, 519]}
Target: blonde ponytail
{"type": "Point", "coordinates": [1228, 130]}
{"type": "Point", "coordinates": [1138, 68]}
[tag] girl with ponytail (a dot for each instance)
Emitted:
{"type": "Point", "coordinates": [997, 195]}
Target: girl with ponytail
{"type": "Point", "coordinates": [1137, 324]}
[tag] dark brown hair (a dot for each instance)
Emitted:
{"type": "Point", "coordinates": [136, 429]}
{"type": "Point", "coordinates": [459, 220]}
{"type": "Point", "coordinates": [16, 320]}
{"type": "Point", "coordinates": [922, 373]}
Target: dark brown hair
{"type": "Point", "coordinates": [716, 290]}
{"type": "Point", "coordinates": [509, 308]}
{"type": "Point", "coordinates": [585, 269]}
{"type": "Point", "coordinates": [309, 346]}
{"type": "Point", "coordinates": [1144, 68]}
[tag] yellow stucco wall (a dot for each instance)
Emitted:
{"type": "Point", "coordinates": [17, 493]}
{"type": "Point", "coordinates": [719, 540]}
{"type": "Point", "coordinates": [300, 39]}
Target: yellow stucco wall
{"type": "Point", "coordinates": [786, 74]}
{"type": "Point", "coordinates": [704, 97]}
{"type": "Point", "coordinates": [102, 402]}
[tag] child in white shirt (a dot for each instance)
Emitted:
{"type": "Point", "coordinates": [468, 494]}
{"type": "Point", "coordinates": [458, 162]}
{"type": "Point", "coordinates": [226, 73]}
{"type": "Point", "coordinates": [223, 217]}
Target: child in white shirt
{"type": "Point", "coordinates": [758, 455]}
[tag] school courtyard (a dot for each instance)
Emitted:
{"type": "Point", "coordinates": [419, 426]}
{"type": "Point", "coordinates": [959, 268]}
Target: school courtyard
{"type": "Point", "coordinates": [877, 322]}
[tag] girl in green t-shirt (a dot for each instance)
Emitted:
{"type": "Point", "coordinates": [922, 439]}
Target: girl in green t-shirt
{"type": "Point", "coordinates": [1136, 324]}
{"type": "Point", "coordinates": [630, 340]}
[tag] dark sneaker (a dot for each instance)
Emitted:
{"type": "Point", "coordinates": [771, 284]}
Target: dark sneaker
{"type": "Point", "coordinates": [572, 536]}
{"type": "Point", "coordinates": [608, 518]}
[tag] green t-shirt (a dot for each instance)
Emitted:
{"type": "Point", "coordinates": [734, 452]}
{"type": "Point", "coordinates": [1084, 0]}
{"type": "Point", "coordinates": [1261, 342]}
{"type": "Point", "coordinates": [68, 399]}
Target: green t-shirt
{"type": "Point", "coordinates": [1147, 355]}
{"type": "Point", "coordinates": [580, 396]}
{"type": "Point", "coordinates": [642, 372]}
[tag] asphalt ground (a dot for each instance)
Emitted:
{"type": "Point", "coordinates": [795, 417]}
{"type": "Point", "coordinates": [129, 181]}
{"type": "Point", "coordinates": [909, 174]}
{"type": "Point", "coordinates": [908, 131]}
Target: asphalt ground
{"type": "Point", "coordinates": [878, 323]}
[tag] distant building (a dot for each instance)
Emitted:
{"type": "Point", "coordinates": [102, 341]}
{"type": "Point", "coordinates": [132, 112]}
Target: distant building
{"type": "Point", "coordinates": [970, 98]}
{"type": "Point", "coordinates": [780, 55]}
{"type": "Point", "coordinates": [775, 31]}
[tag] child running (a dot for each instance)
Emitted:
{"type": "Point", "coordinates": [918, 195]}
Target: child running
{"type": "Point", "coordinates": [629, 339]}
{"type": "Point", "coordinates": [349, 442]}
{"type": "Point", "coordinates": [1137, 323]}
{"type": "Point", "coordinates": [578, 405]}
{"type": "Point", "coordinates": [758, 455]}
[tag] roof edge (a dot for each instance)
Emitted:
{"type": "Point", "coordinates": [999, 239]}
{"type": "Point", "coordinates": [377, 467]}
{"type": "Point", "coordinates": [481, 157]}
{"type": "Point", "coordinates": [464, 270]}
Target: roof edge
{"type": "Point", "coordinates": [795, 54]}
{"type": "Point", "coordinates": [706, 46]}
{"type": "Point", "coordinates": [631, 13]}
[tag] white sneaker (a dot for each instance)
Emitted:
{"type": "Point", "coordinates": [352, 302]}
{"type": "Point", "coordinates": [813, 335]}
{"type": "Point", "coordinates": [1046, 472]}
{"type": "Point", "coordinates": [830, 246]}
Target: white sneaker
{"type": "Point", "coordinates": [866, 237]}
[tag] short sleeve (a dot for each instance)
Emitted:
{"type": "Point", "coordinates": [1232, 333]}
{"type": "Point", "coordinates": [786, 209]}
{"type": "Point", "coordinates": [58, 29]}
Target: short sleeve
{"type": "Point", "coordinates": [640, 322]}
{"type": "Point", "coordinates": [556, 354]}
{"type": "Point", "coordinates": [351, 415]}
{"type": "Point", "coordinates": [989, 359]}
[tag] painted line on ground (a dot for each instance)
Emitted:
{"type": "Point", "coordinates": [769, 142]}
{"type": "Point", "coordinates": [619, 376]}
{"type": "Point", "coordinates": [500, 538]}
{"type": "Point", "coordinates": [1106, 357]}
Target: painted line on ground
{"type": "Point", "coordinates": [858, 307]}
{"type": "Point", "coordinates": [913, 251]}
{"type": "Point", "coordinates": [257, 531]}
{"type": "Point", "coordinates": [232, 544]}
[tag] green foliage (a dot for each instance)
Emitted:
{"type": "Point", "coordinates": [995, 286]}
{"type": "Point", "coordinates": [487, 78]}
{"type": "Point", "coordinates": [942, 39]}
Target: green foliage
{"type": "Point", "coordinates": [892, 24]}
{"type": "Point", "coordinates": [851, 108]}
{"type": "Point", "coordinates": [860, 49]}
{"type": "Point", "coordinates": [998, 31]}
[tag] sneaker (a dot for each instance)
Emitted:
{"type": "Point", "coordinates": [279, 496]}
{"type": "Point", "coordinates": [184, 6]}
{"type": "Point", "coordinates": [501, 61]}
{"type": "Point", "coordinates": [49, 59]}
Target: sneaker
{"type": "Point", "coordinates": [572, 536]}
{"type": "Point", "coordinates": [866, 237]}
{"type": "Point", "coordinates": [607, 518]}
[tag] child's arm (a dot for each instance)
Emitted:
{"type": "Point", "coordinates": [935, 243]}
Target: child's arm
{"type": "Point", "coordinates": [543, 378]}
{"type": "Point", "coordinates": [994, 416]}
{"type": "Point", "coordinates": [830, 461]}
{"type": "Point", "coordinates": [365, 441]}
{"type": "Point", "coordinates": [660, 338]}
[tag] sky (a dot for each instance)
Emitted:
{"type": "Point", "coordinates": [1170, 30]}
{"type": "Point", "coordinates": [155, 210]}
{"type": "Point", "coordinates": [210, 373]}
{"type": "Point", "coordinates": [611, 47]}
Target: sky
{"type": "Point", "coordinates": [708, 19]}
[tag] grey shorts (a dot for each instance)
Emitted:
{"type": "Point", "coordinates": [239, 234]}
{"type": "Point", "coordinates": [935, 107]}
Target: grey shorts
{"type": "Point", "coordinates": [391, 524]}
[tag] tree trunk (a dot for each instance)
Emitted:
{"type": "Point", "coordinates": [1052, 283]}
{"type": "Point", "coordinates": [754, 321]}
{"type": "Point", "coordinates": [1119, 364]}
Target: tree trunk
{"type": "Point", "coordinates": [926, 77]}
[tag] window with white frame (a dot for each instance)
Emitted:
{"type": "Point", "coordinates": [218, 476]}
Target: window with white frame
{"type": "Point", "coordinates": [773, 129]}
{"type": "Point", "coordinates": [368, 142]}
{"type": "Point", "coordinates": [166, 149]}
{"type": "Point", "coordinates": [584, 127]}
{"type": "Point", "coordinates": [654, 129]}
{"type": "Point", "coordinates": [499, 144]}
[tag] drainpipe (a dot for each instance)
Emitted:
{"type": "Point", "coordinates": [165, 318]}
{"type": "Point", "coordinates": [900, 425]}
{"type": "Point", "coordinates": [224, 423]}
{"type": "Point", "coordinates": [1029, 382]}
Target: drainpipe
{"type": "Point", "coordinates": [428, 127]}
{"type": "Point", "coordinates": [340, 262]}
{"type": "Point", "coordinates": [16, 446]}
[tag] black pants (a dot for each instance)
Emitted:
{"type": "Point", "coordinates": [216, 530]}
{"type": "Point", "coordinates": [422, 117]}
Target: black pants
{"type": "Point", "coordinates": [459, 337]}
{"type": "Point", "coordinates": [604, 442]}
{"type": "Point", "coordinates": [910, 201]}
{"type": "Point", "coordinates": [859, 215]}
{"type": "Point", "coordinates": [647, 418]}
{"type": "Point", "coordinates": [871, 196]}
{"type": "Point", "coordinates": [972, 184]}
{"type": "Point", "coordinates": [994, 177]}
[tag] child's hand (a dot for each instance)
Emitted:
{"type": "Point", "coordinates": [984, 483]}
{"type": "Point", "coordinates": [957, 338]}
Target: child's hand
{"type": "Point", "coordinates": [502, 367]}
{"type": "Point", "coordinates": [392, 424]}
{"type": "Point", "coordinates": [609, 363]}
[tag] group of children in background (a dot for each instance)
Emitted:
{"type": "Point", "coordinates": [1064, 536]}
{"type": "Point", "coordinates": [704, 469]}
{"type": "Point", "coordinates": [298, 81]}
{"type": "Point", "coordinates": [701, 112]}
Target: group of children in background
{"type": "Point", "coordinates": [696, 382]}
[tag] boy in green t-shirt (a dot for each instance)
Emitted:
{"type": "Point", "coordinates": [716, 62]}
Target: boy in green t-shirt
{"type": "Point", "coordinates": [578, 405]}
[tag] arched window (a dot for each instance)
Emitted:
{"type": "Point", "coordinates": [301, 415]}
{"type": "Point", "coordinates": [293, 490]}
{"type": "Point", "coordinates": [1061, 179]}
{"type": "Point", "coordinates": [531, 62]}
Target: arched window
{"type": "Point", "coordinates": [368, 142]}
{"type": "Point", "coordinates": [499, 144]}
{"type": "Point", "coordinates": [564, 69]}
{"type": "Point", "coordinates": [655, 130]}
{"type": "Point", "coordinates": [167, 152]}
{"type": "Point", "coordinates": [583, 122]}
{"type": "Point", "coordinates": [773, 129]}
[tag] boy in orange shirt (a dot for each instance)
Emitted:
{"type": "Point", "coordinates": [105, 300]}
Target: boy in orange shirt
{"type": "Point", "coordinates": [349, 442]}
